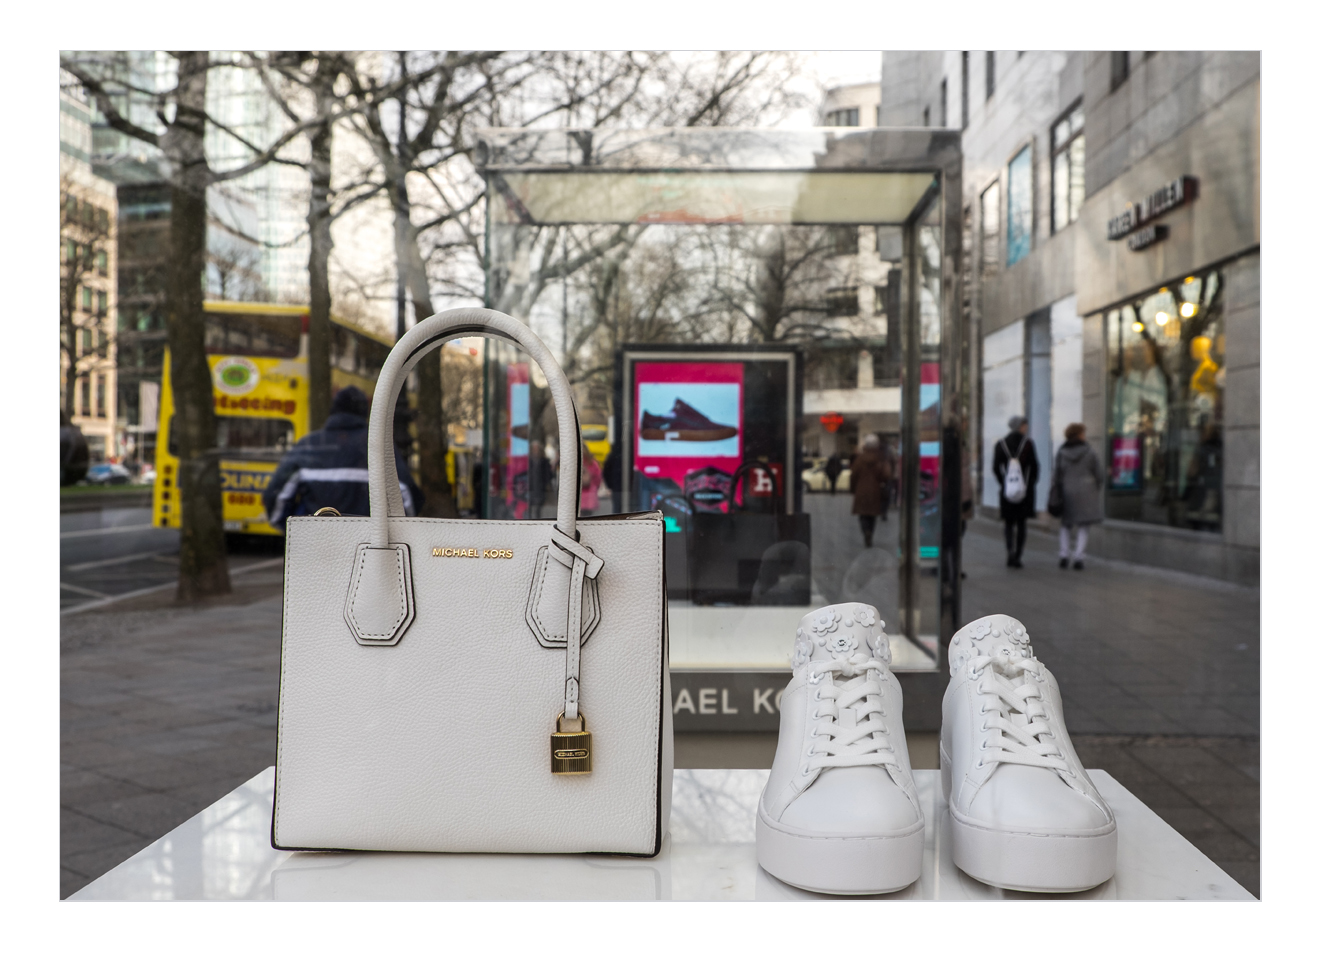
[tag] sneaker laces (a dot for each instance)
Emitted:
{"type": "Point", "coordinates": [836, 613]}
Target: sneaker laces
{"type": "Point", "coordinates": [1016, 709]}
{"type": "Point", "coordinates": [849, 729]}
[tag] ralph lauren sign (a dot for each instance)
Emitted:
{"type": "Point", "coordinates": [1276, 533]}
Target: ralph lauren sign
{"type": "Point", "coordinates": [1138, 215]}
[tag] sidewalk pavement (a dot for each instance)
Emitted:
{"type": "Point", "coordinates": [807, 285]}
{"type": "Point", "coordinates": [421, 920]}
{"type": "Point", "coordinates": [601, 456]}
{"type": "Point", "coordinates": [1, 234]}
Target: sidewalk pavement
{"type": "Point", "coordinates": [165, 709]}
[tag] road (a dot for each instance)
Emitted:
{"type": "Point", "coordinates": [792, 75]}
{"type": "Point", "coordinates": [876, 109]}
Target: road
{"type": "Point", "coordinates": [114, 552]}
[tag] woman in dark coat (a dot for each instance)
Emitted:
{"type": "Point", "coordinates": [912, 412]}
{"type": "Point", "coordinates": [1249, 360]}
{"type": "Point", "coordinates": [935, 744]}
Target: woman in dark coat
{"type": "Point", "coordinates": [869, 481]}
{"type": "Point", "coordinates": [1017, 444]}
{"type": "Point", "coordinates": [1079, 474]}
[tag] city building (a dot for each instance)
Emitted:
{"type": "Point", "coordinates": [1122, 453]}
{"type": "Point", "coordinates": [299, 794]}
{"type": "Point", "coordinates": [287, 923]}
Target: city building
{"type": "Point", "coordinates": [88, 269]}
{"type": "Point", "coordinates": [1112, 278]}
{"type": "Point", "coordinates": [253, 252]}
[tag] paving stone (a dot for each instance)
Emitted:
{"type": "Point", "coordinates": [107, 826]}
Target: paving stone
{"type": "Point", "coordinates": [143, 814]}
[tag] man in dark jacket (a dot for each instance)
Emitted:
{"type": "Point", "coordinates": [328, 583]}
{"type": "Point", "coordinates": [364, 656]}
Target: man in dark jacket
{"type": "Point", "coordinates": [328, 467]}
{"type": "Point", "coordinates": [1017, 445]}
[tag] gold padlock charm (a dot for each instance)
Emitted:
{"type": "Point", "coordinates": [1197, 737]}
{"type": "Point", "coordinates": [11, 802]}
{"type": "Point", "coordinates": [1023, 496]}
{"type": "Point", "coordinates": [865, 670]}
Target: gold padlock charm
{"type": "Point", "coordinates": [571, 751]}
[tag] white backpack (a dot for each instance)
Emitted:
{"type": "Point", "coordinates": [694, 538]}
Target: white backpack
{"type": "Point", "coordinates": [1015, 486]}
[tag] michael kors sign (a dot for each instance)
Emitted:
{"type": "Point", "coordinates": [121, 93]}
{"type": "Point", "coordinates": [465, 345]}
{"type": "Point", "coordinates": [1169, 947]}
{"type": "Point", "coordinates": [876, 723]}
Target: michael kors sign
{"type": "Point", "coordinates": [1139, 215]}
{"type": "Point", "coordinates": [472, 553]}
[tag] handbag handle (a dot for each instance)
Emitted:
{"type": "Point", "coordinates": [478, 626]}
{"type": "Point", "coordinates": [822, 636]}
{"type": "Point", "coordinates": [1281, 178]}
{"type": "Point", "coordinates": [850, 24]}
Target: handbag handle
{"type": "Point", "coordinates": [423, 338]}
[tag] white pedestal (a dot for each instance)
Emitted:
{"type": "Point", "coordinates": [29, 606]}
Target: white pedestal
{"type": "Point", "coordinates": [225, 853]}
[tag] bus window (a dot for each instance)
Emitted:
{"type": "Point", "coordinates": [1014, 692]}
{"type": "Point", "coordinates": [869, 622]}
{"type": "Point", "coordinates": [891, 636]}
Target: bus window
{"type": "Point", "coordinates": [254, 433]}
{"type": "Point", "coordinates": [253, 334]}
{"type": "Point", "coordinates": [245, 433]}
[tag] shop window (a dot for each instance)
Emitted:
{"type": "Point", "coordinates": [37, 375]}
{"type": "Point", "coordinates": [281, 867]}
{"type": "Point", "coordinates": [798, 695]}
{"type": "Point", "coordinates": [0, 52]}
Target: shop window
{"type": "Point", "coordinates": [843, 117]}
{"type": "Point", "coordinates": [1165, 406]}
{"type": "Point", "coordinates": [991, 229]}
{"type": "Point", "coordinates": [1066, 169]}
{"type": "Point", "coordinates": [1020, 206]}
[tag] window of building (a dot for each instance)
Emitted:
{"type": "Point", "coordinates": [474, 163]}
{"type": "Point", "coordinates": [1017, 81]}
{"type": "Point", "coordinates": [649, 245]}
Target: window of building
{"type": "Point", "coordinates": [103, 220]}
{"type": "Point", "coordinates": [102, 302]}
{"type": "Point", "coordinates": [963, 89]}
{"type": "Point", "coordinates": [878, 299]}
{"type": "Point", "coordinates": [1165, 357]}
{"type": "Point", "coordinates": [944, 102]}
{"type": "Point", "coordinates": [841, 239]}
{"type": "Point", "coordinates": [85, 395]}
{"type": "Point", "coordinates": [842, 302]}
{"type": "Point", "coordinates": [843, 117]}
{"type": "Point", "coordinates": [87, 299]}
{"type": "Point", "coordinates": [100, 395]}
{"type": "Point", "coordinates": [1118, 68]}
{"type": "Point", "coordinates": [85, 341]}
{"type": "Point", "coordinates": [1066, 169]}
{"type": "Point", "coordinates": [990, 73]}
{"type": "Point", "coordinates": [102, 263]}
{"type": "Point", "coordinates": [991, 228]}
{"type": "Point", "coordinates": [1019, 231]}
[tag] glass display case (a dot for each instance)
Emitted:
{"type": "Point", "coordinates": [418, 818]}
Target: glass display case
{"type": "Point", "coordinates": [764, 346]}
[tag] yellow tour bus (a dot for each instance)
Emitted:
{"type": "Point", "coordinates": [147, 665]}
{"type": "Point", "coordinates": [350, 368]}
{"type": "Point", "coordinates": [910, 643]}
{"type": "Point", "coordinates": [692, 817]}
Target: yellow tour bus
{"type": "Point", "coordinates": [258, 358]}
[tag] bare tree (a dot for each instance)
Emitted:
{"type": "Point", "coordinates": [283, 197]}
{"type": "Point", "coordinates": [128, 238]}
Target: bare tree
{"type": "Point", "coordinates": [85, 237]}
{"type": "Point", "coordinates": [183, 119]}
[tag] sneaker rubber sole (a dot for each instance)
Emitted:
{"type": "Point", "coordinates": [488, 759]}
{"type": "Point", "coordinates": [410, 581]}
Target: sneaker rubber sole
{"type": "Point", "coordinates": [1018, 860]}
{"type": "Point", "coordinates": [716, 433]}
{"type": "Point", "coordinates": [840, 863]}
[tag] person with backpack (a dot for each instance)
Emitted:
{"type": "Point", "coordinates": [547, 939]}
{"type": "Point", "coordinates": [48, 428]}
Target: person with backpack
{"type": "Point", "coordinates": [1016, 469]}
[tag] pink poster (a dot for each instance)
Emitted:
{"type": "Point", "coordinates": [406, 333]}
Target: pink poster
{"type": "Point", "coordinates": [689, 426]}
{"type": "Point", "coordinates": [516, 480]}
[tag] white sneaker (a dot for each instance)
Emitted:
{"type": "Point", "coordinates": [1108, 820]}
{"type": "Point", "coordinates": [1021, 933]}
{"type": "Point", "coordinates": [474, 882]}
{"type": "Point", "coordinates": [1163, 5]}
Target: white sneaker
{"type": "Point", "coordinates": [1024, 815]}
{"type": "Point", "coordinates": [840, 813]}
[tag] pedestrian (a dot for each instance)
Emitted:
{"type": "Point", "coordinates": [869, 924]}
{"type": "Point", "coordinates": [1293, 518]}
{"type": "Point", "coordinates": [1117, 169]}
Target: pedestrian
{"type": "Point", "coordinates": [869, 483]}
{"type": "Point", "coordinates": [833, 468]}
{"type": "Point", "coordinates": [328, 467]}
{"type": "Point", "coordinates": [1078, 475]}
{"type": "Point", "coordinates": [1016, 469]}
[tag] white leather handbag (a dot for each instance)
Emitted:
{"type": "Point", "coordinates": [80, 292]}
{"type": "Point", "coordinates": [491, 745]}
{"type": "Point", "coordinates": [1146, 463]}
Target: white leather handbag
{"type": "Point", "coordinates": [461, 685]}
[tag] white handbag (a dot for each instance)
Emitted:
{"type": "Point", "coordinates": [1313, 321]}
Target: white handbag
{"type": "Point", "coordinates": [461, 685]}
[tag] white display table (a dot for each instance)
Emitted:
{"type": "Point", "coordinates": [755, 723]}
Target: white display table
{"type": "Point", "coordinates": [224, 853]}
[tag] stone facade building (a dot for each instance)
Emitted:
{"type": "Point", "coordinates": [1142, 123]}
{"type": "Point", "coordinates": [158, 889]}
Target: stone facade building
{"type": "Point", "coordinates": [1112, 278]}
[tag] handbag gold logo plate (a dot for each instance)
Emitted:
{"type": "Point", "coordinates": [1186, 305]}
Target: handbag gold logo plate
{"type": "Point", "coordinates": [571, 751]}
{"type": "Point", "coordinates": [471, 553]}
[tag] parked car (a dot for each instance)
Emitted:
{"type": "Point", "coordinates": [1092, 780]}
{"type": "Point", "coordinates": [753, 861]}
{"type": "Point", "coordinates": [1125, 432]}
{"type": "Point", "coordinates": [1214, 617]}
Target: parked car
{"type": "Point", "coordinates": [73, 452]}
{"type": "Point", "coordinates": [815, 480]}
{"type": "Point", "coordinates": [105, 474]}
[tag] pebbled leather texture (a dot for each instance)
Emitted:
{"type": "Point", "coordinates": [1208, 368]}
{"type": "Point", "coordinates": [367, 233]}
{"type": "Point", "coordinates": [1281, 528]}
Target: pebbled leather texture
{"type": "Point", "coordinates": [380, 603]}
{"type": "Point", "coordinates": [441, 742]}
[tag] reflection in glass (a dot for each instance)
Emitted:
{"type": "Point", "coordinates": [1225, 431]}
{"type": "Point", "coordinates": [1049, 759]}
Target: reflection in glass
{"type": "Point", "coordinates": [735, 332]}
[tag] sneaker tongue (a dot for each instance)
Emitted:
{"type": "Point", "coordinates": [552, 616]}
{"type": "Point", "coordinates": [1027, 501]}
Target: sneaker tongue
{"type": "Point", "coordinates": [1000, 635]}
{"type": "Point", "coordinates": [840, 631]}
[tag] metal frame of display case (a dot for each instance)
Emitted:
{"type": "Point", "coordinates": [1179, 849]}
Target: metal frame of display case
{"type": "Point", "coordinates": [936, 152]}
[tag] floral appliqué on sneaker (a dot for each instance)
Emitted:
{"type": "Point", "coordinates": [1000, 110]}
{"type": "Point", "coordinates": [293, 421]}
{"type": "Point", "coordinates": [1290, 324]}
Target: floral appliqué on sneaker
{"type": "Point", "coordinates": [802, 650]}
{"type": "Point", "coordinates": [842, 644]}
{"type": "Point", "coordinates": [825, 623]}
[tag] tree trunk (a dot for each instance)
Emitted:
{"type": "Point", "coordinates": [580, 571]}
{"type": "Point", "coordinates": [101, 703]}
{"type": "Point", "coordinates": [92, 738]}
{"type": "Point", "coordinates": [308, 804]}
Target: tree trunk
{"type": "Point", "coordinates": [318, 264]}
{"type": "Point", "coordinates": [432, 444]}
{"type": "Point", "coordinates": [203, 568]}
